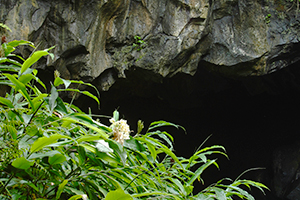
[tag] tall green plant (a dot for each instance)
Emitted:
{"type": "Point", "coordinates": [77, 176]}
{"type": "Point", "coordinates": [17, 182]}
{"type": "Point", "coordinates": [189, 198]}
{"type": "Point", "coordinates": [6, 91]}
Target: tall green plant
{"type": "Point", "coordinates": [50, 149]}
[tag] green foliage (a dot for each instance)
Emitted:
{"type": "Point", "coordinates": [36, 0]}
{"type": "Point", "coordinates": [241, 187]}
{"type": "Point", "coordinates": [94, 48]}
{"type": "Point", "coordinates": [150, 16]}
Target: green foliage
{"type": "Point", "coordinates": [268, 18]}
{"type": "Point", "coordinates": [293, 0]}
{"type": "Point", "coordinates": [5, 27]}
{"type": "Point", "coordinates": [138, 44]}
{"type": "Point", "coordinates": [50, 149]}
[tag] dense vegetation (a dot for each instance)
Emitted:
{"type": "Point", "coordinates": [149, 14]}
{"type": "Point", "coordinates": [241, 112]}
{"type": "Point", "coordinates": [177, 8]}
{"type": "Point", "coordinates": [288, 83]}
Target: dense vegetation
{"type": "Point", "coordinates": [50, 149]}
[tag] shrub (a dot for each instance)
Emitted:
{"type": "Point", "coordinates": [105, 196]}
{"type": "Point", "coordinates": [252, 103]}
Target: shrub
{"type": "Point", "coordinates": [50, 149]}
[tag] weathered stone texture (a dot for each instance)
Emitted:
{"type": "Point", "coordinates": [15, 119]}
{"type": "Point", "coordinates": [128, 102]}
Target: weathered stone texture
{"type": "Point", "coordinates": [230, 37]}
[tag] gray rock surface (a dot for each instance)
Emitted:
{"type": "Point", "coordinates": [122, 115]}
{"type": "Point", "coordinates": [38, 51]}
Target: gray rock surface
{"type": "Point", "coordinates": [230, 37]}
{"type": "Point", "coordinates": [286, 167]}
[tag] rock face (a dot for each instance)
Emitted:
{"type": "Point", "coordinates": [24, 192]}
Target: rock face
{"type": "Point", "coordinates": [175, 50]}
{"type": "Point", "coordinates": [231, 37]}
{"type": "Point", "coordinates": [287, 171]}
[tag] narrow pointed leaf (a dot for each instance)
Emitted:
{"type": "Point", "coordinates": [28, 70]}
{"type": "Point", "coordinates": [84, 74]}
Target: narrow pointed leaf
{"type": "Point", "coordinates": [16, 43]}
{"type": "Point", "coordinates": [32, 59]}
{"type": "Point", "coordinates": [61, 188]}
{"type": "Point", "coordinates": [6, 102]}
{"type": "Point", "coordinates": [199, 171]}
{"type": "Point", "coordinates": [21, 87]}
{"type": "Point", "coordinates": [170, 153]}
{"type": "Point", "coordinates": [44, 141]}
{"type": "Point", "coordinates": [88, 147]}
{"type": "Point", "coordinates": [82, 92]}
{"type": "Point", "coordinates": [52, 99]}
{"type": "Point", "coordinates": [88, 138]}
{"type": "Point", "coordinates": [75, 197]}
{"type": "Point", "coordinates": [161, 123]}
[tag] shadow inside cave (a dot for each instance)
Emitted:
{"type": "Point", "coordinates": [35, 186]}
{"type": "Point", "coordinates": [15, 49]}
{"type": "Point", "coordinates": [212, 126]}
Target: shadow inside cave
{"type": "Point", "coordinates": [251, 118]}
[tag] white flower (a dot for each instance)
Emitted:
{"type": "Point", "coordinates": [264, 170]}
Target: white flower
{"type": "Point", "coordinates": [84, 197]}
{"type": "Point", "coordinates": [120, 130]}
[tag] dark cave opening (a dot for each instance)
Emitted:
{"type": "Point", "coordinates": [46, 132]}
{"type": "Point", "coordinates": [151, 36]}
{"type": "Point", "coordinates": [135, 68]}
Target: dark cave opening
{"type": "Point", "coordinates": [250, 117]}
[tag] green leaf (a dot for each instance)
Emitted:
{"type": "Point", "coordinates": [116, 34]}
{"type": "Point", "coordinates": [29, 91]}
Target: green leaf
{"type": "Point", "coordinates": [199, 171]}
{"type": "Point", "coordinates": [242, 192]}
{"type": "Point", "coordinates": [82, 117]}
{"type": "Point", "coordinates": [58, 81]}
{"type": "Point", "coordinates": [88, 147]}
{"type": "Point", "coordinates": [152, 150]}
{"type": "Point", "coordinates": [189, 189]}
{"type": "Point", "coordinates": [75, 197]}
{"type": "Point", "coordinates": [22, 163]}
{"type": "Point", "coordinates": [52, 99]}
{"type": "Point", "coordinates": [68, 120]}
{"type": "Point", "coordinates": [140, 126]}
{"type": "Point", "coordinates": [60, 107]}
{"type": "Point", "coordinates": [42, 155]}
{"type": "Point", "coordinates": [118, 194]}
{"type": "Point", "coordinates": [11, 68]}
{"type": "Point", "coordinates": [16, 43]}
{"type": "Point", "coordinates": [12, 130]}
{"type": "Point", "coordinates": [103, 146]}
{"type": "Point", "coordinates": [82, 92]}
{"type": "Point", "coordinates": [7, 49]}
{"type": "Point", "coordinates": [33, 186]}
{"type": "Point", "coordinates": [88, 138]}
{"type": "Point", "coordinates": [163, 135]}
{"type": "Point", "coordinates": [32, 59]}
{"type": "Point", "coordinates": [26, 78]}
{"type": "Point", "coordinates": [155, 193]}
{"type": "Point", "coordinates": [57, 159]}
{"type": "Point", "coordinates": [170, 153]}
{"type": "Point", "coordinates": [220, 194]}
{"type": "Point", "coordinates": [6, 102]}
{"type": "Point", "coordinates": [5, 26]}
{"type": "Point", "coordinates": [61, 188]}
{"type": "Point", "coordinates": [106, 158]}
{"type": "Point", "coordinates": [44, 141]}
{"type": "Point", "coordinates": [15, 63]}
{"type": "Point", "coordinates": [161, 123]}
{"type": "Point", "coordinates": [134, 145]}
{"type": "Point", "coordinates": [88, 84]}
{"type": "Point", "coordinates": [21, 87]}
{"type": "Point", "coordinates": [119, 150]}
{"type": "Point", "coordinates": [116, 115]}
{"type": "Point", "coordinates": [179, 185]}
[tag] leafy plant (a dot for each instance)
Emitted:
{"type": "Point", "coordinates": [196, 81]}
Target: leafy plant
{"type": "Point", "coordinates": [5, 27]}
{"type": "Point", "coordinates": [138, 44]}
{"type": "Point", "coordinates": [50, 149]}
{"type": "Point", "coordinates": [268, 18]}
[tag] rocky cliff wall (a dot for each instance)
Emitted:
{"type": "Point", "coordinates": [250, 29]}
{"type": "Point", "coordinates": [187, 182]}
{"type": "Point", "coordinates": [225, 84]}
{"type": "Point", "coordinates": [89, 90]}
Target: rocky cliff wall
{"type": "Point", "coordinates": [230, 37]}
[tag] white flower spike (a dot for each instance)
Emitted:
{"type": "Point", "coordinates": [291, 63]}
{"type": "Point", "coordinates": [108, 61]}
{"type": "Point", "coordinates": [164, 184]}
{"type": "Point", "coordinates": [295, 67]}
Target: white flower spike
{"type": "Point", "coordinates": [120, 130]}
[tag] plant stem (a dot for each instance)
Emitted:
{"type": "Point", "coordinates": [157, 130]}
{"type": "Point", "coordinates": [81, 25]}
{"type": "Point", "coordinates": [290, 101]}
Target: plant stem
{"type": "Point", "coordinates": [31, 118]}
{"type": "Point", "coordinates": [67, 177]}
{"type": "Point", "coordinates": [138, 176]}
{"type": "Point", "coordinates": [11, 177]}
